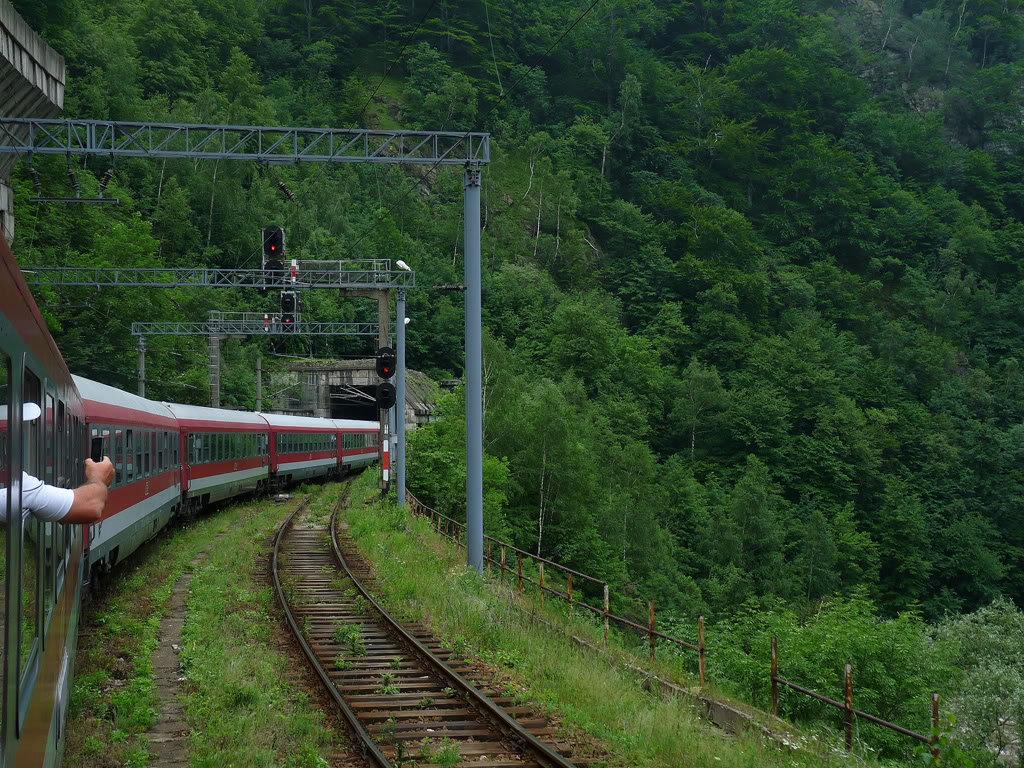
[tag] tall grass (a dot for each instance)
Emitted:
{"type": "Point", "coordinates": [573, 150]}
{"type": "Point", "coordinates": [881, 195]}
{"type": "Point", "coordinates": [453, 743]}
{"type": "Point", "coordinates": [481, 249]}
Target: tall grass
{"type": "Point", "coordinates": [422, 576]}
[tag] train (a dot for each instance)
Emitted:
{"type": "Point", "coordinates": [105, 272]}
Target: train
{"type": "Point", "coordinates": [170, 460]}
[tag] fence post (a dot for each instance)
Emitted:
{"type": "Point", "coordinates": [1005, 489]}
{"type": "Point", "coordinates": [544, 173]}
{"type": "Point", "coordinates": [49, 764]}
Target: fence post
{"type": "Point", "coordinates": [488, 558]}
{"type": "Point", "coordinates": [650, 606]}
{"type": "Point", "coordinates": [849, 707]}
{"type": "Point", "coordinates": [700, 645]}
{"type": "Point", "coordinates": [935, 726]}
{"type": "Point", "coordinates": [775, 676]}
{"type": "Point", "coordinates": [520, 554]}
{"type": "Point", "coordinates": [606, 615]}
{"type": "Point", "coordinates": [542, 584]}
{"type": "Point", "coordinates": [503, 565]}
{"type": "Point", "coordinates": [570, 595]}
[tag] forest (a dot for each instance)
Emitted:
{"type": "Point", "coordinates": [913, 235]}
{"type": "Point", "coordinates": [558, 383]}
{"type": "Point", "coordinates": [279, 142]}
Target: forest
{"type": "Point", "coordinates": [753, 298]}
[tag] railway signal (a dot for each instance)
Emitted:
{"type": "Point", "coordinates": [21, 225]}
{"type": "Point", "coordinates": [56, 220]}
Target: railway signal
{"type": "Point", "coordinates": [385, 396]}
{"type": "Point", "coordinates": [386, 362]}
{"type": "Point", "coordinates": [289, 300]}
{"type": "Point", "coordinates": [273, 255]}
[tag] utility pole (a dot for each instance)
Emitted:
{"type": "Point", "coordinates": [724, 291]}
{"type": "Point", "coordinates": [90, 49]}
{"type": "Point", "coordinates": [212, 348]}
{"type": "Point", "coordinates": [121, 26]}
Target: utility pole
{"type": "Point", "coordinates": [474, 376]}
{"type": "Point", "coordinates": [400, 398]}
{"type": "Point", "coordinates": [259, 385]}
{"type": "Point", "coordinates": [142, 366]}
{"type": "Point", "coordinates": [383, 335]}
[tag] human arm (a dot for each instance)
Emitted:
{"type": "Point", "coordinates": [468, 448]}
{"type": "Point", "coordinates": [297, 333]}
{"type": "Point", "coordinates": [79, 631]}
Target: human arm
{"type": "Point", "coordinates": [91, 497]}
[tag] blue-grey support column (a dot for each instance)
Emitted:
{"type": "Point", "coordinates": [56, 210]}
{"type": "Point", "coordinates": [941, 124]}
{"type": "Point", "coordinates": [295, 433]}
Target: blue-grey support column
{"type": "Point", "coordinates": [399, 455]}
{"type": "Point", "coordinates": [474, 378]}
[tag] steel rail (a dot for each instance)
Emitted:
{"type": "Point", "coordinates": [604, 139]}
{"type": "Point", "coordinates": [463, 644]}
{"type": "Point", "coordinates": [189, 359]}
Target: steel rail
{"type": "Point", "coordinates": [369, 747]}
{"type": "Point", "coordinates": [542, 753]}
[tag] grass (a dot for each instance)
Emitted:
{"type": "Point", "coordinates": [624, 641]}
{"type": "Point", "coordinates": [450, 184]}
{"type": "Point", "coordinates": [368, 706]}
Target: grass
{"type": "Point", "coordinates": [240, 706]}
{"type": "Point", "coordinates": [423, 576]}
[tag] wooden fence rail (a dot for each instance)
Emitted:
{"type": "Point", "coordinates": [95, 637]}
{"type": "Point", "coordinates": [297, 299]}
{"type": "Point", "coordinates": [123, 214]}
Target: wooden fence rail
{"type": "Point", "coordinates": [847, 705]}
{"type": "Point", "coordinates": [452, 529]}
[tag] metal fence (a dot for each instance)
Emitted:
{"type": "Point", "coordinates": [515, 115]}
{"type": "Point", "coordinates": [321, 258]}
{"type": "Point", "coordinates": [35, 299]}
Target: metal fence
{"type": "Point", "coordinates": [498, 554]}
{"type": "Point", "coordinates": [454, 530]}
{"type": "Point", "coordinates": [847, 706]}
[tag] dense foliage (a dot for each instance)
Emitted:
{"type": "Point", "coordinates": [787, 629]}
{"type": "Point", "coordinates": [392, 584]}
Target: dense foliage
{"type": "Point", "coordinates": [752, 269]}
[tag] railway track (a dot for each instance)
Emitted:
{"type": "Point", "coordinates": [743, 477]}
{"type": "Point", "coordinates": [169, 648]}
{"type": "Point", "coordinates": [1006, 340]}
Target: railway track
{"type": "Point", "coordinates": [404, 697]}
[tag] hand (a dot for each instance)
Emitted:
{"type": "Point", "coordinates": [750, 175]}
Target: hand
{"type": "Point", "coordinates": [103, 472]}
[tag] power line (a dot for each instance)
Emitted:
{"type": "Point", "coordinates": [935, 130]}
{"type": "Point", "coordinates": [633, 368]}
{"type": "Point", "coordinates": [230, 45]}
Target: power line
{"type": "Point", "coordinates": [494, 106]}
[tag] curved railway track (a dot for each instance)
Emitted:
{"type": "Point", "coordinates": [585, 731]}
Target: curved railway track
{"type": "Point", "coordinates": [403, 696]}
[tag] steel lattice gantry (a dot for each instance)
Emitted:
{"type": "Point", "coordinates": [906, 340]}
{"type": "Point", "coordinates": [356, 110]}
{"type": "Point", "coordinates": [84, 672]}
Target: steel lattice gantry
{"type": "Point", "coordinates": [241, 142]}
{"type": "Point", "coordinates": [294, 146]}
{"type": "Point", "coordinates": [202, 277]}
{"type": "Point", "coordinates": [226, 324]}
{"type": "Point", "coordinates": [253, 328]}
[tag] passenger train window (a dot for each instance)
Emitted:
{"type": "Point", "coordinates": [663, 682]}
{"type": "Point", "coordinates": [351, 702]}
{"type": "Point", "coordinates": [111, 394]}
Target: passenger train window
{"type": "Point", "coordinates": [152, 451]}
{"type": "Point", "coordinates": [30, 539]}
{"type": "Point", "coordinates": [140, 442]}
{"type": "Point", "coordinates": [64, 468]}
{"type": "Point", "coordinates": [5, 375]}
{"type": "Point", "coordinates": [144, 464]}
{"type": "Point", "coordinates": [129, 449]}
{"type": "Point", "coordinates": [48, 451]}
{"type": "Point", "coordinates": [49, 571]}
{"type": "Point", "coordinates": [118, 457]}
{"type": "Point", "coordinates": [63, 449]}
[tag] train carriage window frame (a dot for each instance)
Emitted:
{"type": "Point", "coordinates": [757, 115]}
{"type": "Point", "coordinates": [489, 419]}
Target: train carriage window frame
{"type": "Point", "coordinates": [118, 457]}
{"type": "Point", "coordinates": [5, 541]}
{"type": "Point", "coordinates": [28, 652]}
{"type": "Point", "coordinates": [129, 451]}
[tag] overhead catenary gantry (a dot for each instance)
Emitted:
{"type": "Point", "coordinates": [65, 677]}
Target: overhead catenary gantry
{"type": "Point", "coordinates": [223, 325]}
{"type": "Point", "coordinates": [291, 146]}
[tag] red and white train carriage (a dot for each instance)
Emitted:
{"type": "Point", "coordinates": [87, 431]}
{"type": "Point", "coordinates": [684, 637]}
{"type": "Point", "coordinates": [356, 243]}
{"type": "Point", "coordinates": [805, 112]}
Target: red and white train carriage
{"type": "Point", "coordinates": [169, 459]}
{"type": "Point", "coordinates": [141, 438]}
{"type": "Point", "coordinates": [225, 453]}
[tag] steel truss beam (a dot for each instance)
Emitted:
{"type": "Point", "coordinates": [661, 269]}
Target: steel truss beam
{"type": "Point", "coordinates": [236, 142]}
{"type": "Point", "coordinates": [201, 277]}
{"type": "Point", "coordinates": [246, 327]}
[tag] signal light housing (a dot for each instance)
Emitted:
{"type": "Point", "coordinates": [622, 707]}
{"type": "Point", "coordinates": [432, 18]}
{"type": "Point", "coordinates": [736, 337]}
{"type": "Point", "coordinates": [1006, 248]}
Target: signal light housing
{"type": "Point", "coordinates": [385, 396]}
{"type": "Point", "coordinates": [289, 303]}
{"type": "Point", "coordinates": [386, 362]}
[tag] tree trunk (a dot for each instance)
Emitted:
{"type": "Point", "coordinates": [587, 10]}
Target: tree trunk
{"type": "Point", "coordinates": [536, 237]}
{"type": "Point", "coordinates": [533, 163]}
{"type": "Point", "coordinates": [213, 190]}
{"type": "Point", "coordinates": [558, 227]}
{"type": "Point", "coordinates": [910, 57]}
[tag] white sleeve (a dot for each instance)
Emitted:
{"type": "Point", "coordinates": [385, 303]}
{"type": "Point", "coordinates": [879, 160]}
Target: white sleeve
{"type": "Point", "coordinates": [45, 501]}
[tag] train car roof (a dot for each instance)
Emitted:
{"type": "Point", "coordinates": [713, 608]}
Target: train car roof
{"type": "Point", "coordinates": [104, 401]}
{"type": "Point", "coordinates": [280, 420]}
{"type": "Point", "coordinates": [354, 424]}
{"type": "Point", "coordinates": [196, 415]}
